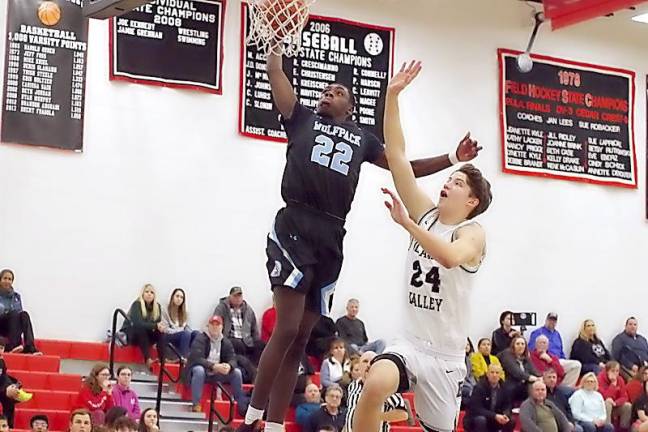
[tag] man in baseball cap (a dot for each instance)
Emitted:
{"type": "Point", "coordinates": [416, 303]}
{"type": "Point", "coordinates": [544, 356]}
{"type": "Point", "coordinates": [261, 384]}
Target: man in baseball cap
{"type": "Point", "coordinates": [572, 367]}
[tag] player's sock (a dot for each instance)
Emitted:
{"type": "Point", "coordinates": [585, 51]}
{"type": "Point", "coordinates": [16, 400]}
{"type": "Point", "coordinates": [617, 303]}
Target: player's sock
{"type": "Point", "coordinates": [273, 427]}
{"type": "Point", "coordinates": [252, 414]}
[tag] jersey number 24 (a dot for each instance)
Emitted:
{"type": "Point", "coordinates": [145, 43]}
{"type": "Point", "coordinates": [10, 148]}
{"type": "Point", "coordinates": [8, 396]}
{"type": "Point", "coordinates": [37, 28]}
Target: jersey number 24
{"type": "Point", "coordinates": [432, 277]}
{"type": "Point", "coordinates": [322, 150]}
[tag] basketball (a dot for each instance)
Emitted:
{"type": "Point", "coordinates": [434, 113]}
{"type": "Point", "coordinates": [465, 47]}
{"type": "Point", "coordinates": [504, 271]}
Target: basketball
{"type": "Point", "coordinates": [49, 13]}
{"type": "Point", "coordinates": [284, 16]}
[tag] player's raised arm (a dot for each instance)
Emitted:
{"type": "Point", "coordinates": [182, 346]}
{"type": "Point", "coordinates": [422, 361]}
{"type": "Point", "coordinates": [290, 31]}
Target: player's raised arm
{"type": "Point", "coordinates": [282, 90]}
{"type": "Point", "coordinates": [415, 200]}
{"type": "Point", "coordinates": [466, 248]}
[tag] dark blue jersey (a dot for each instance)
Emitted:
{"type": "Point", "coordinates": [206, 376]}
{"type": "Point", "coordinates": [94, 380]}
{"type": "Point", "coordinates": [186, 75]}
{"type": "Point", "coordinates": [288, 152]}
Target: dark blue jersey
{"type": "Point", "coordinates": [323, 161]}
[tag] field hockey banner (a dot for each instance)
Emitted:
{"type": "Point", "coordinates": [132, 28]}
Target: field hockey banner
{"type": "Point", "coordinates": [568, 120]}
{"type": "Point", "coordinates": [171, 43]}
{"type": "Point", "coordinates": [357, 55]}
{"type": "Point", "coordinates": [44, 73]}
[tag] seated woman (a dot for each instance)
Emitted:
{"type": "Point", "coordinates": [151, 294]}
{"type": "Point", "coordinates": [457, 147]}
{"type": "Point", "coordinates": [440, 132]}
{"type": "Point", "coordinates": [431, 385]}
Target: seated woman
{"type": "Point", "coordinates": [148, 421]}
{"type": "Point", "coordinates": [519, 370]}
{"type": "Point", "coordinates": [587, 406]}
{"type": "Point", "coordinates": [503, 336]}
{"type": "Point", "coordinates": [481, 359]}
{"type": "Point", "coordinates": [15, 323]}
{"type": "Point", "coordinates": [145, 315]}
{"type": "Point", "coordinates": [176, 330]}
{"type": "Point", "coordinates": [335, 365]}
{"type": "Point", "coordinates": [96, 393]}
{"type": "Point", "coordinates": [635, 387]}
{"type": "Point", "coordinates": [640, 411]}
{"type": "Point", "coordinates": [589, 349]}
{"type": "Point", "coordinates": [612, 387]}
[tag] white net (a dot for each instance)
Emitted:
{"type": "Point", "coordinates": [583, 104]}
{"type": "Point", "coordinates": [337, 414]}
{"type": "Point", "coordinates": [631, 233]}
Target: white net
{"type": "Point", "coordinates": [276, 25]}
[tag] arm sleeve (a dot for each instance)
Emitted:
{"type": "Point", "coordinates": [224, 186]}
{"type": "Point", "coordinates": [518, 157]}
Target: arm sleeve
{"type": "Point", "coordinates": [197, 353]}
{"type": "Point", "coordinates": [298, 114]}
{"type": "Point", "coordinates": [601, 412]}
{"type": "Point", "coordinates": [396, 402]}
{"type": "Point", "coordinates": [376, 148]}
{"type": "Point", "coordinates": [220, 310]}
{"type": "Point", "coordinates": [617, 344]}
{"type": "Point", "coordinates": [255, 326]}
{"type": "Point", "coordinates": [325, 374]}
{"type": "Point", "coordinates": [534, 334]}
{"type": "Point", "coordinates": [341, 328]}
{"type": "Point", "coordinates": [576, 405]}
{"type": "Point", "coordinates": [365, 338]}
{"type": "Point", "coordinates": [137, 411]}
{"type": "Point", "coordinates": [512, 370]}
{"type": "Point", "coordinates": [227, 353]}
{"type": "Point", "coordinates": [477, 407]}
{"type": "Point", "coordinates": [476, 365]}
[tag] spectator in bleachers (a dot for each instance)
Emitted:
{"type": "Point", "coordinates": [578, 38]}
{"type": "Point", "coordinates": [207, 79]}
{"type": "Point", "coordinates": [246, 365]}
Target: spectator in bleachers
{"type": "Point", "coordinates": [329, 414]}
{"type": "Point", "coordinates": [612, 387]}
{"type": "Point", "coordinates": [469, 380]}
{"type": "Point", "coordinates": [630, 349]}
{"type": "Point", "coordinates": [520, 372]}
{"type": "Point", "coordinates": [113, 414]}
{"type": "Point", "coordinates": [588, 407]}
{"type": "Point", "coordinates": [268, 321]}
{"type": "Point", "coordinates": [10, 391]}
{"type": "Point", "coordinates": [148, 421]}
{"type": "Point", "coordinates": [640, 411]}
{"type": "Point", "coordinates": [589, 349]}
{"type": "Point", "coordinates": [337, 362]}
{"type": "Point", "coordinates": [125, 424]}
{"type": "Point", "coordinates": [394, 408]}
{"type": "Point", "coordinates": [559, 398]}
{"type": "Point", "coordinates": [352, 330]}
{"type": "Point", "coordinates": [503, 336]}
{"type": "Point", "coordinates": [39, 423]}
{"type": "Point", "coordinates": [80, 421]}
{"type": "Point", "coordinates": [15, 323]}
{"type": "Point", "coordinates": [124, 396]}
{"type": "Point", "coordinates": [537, 414]}
{"type": "Point", "coordinates": [212, 359]}
{"type": "Point", "coordinates": [304, 375]}
{"type": "Point", "coordinates": [4, 425]}
{"type": "Point", "coordinates": [176, 329]}
{"type": "Point", "coordinates": [480, 360]}
{"type": "Point", "coordinates": [320, 338]}
{"type": "Point", "coordinates": [635, 386]}
{"type": "Point", "coordinates": [571, 367]}
{"type": "Point", "coordinates": [542, 359]}
{"type": "Point", "coordinates": [96, 393]}
{"type": "Point", "coordinates": [489, 408]}
{"type": "Point", "coordinates": [146, 326]}
{"type": "Point", "coordinates": [240, 325]}
{"type": "Point", "coordinates": [311, 403]}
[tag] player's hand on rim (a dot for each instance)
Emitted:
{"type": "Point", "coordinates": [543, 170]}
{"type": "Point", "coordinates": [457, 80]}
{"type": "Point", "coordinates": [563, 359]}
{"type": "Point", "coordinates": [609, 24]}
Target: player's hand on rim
{"type": "Point", "coordinates": [404, 77]}
{"type": "Point", "coordinates": [468, 148]}
{"type": "Point", "coordinates": [396, 208]}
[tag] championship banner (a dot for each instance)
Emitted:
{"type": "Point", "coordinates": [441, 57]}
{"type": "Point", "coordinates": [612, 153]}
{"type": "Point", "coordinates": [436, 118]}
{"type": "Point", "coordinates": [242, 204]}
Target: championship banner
{"type": "Point", "coordinates": [171, 43]}
{"type": "Point", "coordinates": [568, 120]}
{"type": "Point", "coordinates": [358, 55]}
{"type": "Point", "coordinates": [44, 73]}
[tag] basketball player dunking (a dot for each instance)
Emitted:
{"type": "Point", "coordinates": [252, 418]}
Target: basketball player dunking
{"type": "Point", "coordinates": [325, 152]}
{"type": "Point", "coordinates": [445, 252]}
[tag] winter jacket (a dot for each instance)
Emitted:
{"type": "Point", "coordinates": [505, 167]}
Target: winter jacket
{"type": "Point", "coordinates": [322, 417]}
{"type": "Point", "coordinates": [304, 411]}
{"type": "Point", "coordinates": [516, 371]}
{"type": "Point", "coordinates": [590, 352]}
{"type": "Point", "coordinates": [250, 330]}
{"type": "Point", "coordinates": [542, 365]}
{"type": "Point", "coordinates": [555, 341]}
{"type": "Point", "coordinates": [138, 320]}
{"type": "Point", "coordinates": [630, 350]}
{"type": "Point", "coordinates": [480, 400]}
{"type": "Point", "coordinates": [10, 301]}
{"type": "Point", "coordinates": [529, 418]}
{"type": "Point", "coordinates": [615, 392]}
{"type": "Point", "coordinates": [500, 340]}
{"type": "Point", "coordinates": [199, 354]}
{"type": "Point", "coordinates": [479, 367]}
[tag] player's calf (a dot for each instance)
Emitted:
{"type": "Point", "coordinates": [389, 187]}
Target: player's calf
{"type": "Point", "coordinates": [383, 380]}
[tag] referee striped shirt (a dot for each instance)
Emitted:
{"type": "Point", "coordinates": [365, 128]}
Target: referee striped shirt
{"type": "Point", "coordinates": [354, 390]}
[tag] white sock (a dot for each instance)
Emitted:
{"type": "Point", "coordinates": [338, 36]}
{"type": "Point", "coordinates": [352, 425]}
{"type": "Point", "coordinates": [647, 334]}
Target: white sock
{"type": "Point", "coordinates": [253, 414]}
{"type": "Point", "coordinates": [273, 427]}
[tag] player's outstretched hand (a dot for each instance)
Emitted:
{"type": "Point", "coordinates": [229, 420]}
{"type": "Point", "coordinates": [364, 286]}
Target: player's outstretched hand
{"type": "Point", "coordinates": [468, 149]}
{"type": "Point", "coordinates": [396, 208]}
{"type": "Point", "coordinates": [404, 77]}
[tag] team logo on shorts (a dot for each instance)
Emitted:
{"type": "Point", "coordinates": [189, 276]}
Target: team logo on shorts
{"type": "Point", "coordinates": [276, 271]}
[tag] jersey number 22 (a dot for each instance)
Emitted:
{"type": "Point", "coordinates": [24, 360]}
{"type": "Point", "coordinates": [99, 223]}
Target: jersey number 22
{"type": "Point", "coordinates": [323, 149]}
{"type": "Point", "coordinates": [432, 277]}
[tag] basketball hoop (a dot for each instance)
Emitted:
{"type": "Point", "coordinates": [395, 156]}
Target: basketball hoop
{"type": "Point", "coordinates": [276, 25]}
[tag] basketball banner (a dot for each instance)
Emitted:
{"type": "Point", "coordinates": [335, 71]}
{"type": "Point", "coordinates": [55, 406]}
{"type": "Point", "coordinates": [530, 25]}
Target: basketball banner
{"type": "Point", "coordinates": [171, 43]}
{"type": "Point", "coordinates": [44, 73]}
{"type": "Point", "coordinates": [568, 120]}
{"type": "Point", "coordinates": [358, 55]}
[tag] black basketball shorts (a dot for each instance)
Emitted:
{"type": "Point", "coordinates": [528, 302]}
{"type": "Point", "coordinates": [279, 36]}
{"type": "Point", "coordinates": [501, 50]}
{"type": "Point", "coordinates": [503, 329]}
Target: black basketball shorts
{"type": "Point", "coordinates": [304, 252]}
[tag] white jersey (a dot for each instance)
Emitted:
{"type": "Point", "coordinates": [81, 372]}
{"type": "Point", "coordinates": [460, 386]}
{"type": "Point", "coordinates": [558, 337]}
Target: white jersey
{"type": "Point", "coordinates": [438, 299]}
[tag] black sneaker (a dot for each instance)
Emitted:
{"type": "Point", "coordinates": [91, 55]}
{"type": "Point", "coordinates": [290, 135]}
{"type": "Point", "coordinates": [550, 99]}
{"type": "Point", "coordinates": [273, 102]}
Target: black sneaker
{"type": "Point", "coordinates": [254, 427]}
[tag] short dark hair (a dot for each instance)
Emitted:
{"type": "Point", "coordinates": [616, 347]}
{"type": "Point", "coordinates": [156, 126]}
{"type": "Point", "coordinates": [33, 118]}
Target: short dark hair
{"type": "Point", "coordinates": [113, 414]}
{"type": "Point", "coordinates": [121, 368]}
{"type": "Point", "coordinates": [630, 318]}
{"type": "Point", "coordinates": [503, 315]}
{"type": "Point", "coordinates": [479, 187]}
{"type": "Point", "coordinates": [548, 371]}
{"type": "Point", "coordinates": [80, 412]}
{"type": "Point", "coordinates": [2, 273]}
{"type": "Point", "coordinates": [37, 417]}
{"type": "Point", "coordinates": [124, 422]}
